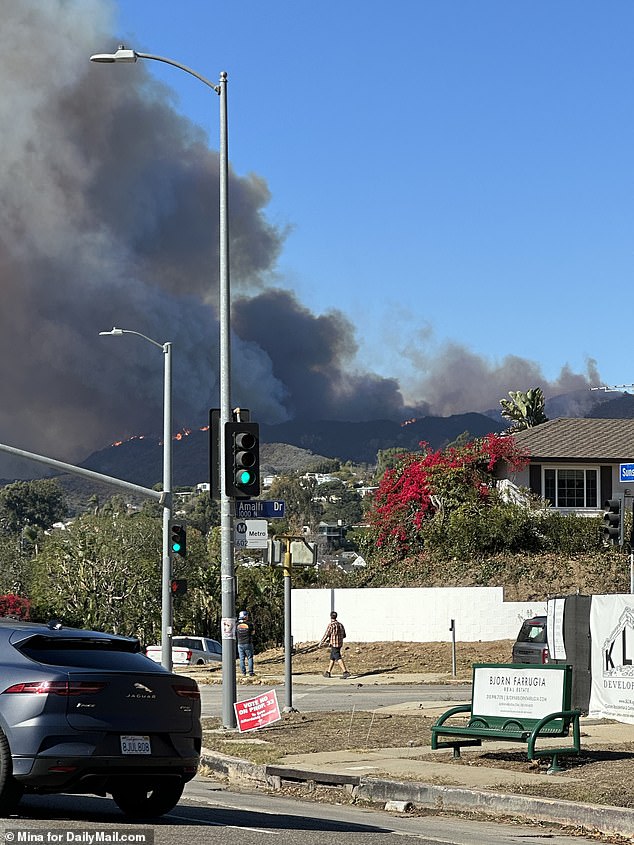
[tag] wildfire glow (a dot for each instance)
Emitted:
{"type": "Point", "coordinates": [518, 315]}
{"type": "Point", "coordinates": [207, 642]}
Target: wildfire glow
{"type": "Point", "coordinates": [178, 436]}
{"type": "Point", "coordinates": [134, 437]}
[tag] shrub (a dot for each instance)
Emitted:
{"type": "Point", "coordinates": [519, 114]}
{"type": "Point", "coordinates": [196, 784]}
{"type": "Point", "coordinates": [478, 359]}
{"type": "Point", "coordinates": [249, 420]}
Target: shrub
{"type": "Point", "coordinates": [472, 532]}
{"type": "Point", "coordinates": [424, 488]}
{"type": "Point", "coordinates": [569, 534]}
{"type": "Point", "coordinates": [15, 607]}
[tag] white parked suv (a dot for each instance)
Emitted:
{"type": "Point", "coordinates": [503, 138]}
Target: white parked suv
{"type": "Point", "coordinates": [189, 651]}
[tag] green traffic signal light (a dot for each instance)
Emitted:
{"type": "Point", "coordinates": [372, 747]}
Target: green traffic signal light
{"type": "Point", "coordinates": [242, 459]}
{"type": "Point", "coordinates": [244, 477]}
{"type": "Point", "coordinates": [178, 539]}
{"type": "Point", "coordinates": [245, 458]}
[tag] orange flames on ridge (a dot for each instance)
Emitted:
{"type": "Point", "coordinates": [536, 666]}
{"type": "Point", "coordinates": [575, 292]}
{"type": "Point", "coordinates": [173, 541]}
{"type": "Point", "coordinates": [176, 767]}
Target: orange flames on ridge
{"type": "Point", "coordinates": [185, 432]}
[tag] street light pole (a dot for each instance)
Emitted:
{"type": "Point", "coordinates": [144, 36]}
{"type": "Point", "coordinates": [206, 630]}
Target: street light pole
{"type": "Point", "coordinates": [166, 566]}
{"type": "Point", "coordinates": [227, 571]}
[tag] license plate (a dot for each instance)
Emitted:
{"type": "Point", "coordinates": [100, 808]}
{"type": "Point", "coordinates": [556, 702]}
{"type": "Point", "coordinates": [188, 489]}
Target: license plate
{"type": "Point", "coordinates": [135, 745]}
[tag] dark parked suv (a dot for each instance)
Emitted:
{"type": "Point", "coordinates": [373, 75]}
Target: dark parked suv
{"type": "Point", "coordinates": [530, 646]}
{"type": "Point", "coordinates": [87, 712]}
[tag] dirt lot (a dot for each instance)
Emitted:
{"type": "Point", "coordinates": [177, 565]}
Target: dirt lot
{"type": "Point", "coordinates": [601, 776]}
{"type": "Point", "coordinates": [368, 658]}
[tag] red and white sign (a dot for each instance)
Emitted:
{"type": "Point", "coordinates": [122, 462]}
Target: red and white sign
{"type": "Point", "coordinates": [257, 712]}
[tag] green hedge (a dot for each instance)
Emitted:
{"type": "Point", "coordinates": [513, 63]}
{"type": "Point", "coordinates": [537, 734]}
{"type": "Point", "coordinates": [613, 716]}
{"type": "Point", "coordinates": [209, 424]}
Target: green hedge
{"type": "Point", "coordinates": [470, 532]}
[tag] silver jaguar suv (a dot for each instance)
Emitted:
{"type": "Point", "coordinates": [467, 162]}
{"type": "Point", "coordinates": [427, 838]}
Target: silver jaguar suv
{"type": "Point", "coordinates": [88, 712]}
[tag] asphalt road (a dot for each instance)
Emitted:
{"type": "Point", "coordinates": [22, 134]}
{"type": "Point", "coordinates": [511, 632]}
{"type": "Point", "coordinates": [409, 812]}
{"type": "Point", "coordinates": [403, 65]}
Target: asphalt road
{"type": "Point", "coordinates": [211, 814]}
{"type": "Point", "coordinates": [340, 695]}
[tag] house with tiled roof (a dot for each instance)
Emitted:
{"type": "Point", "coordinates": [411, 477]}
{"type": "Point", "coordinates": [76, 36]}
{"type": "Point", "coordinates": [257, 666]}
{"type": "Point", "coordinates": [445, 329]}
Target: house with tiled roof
{"type": "Point", "coordinates": [575, 463]}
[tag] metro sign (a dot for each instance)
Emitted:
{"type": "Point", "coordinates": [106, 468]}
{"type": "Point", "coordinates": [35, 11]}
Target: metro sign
{"type": "Point", "coordinates": [251, 534]}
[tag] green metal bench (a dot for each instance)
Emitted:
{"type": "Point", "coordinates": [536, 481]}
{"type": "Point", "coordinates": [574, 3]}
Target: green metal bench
{"type": "Point", "coordinates": [514, 702]}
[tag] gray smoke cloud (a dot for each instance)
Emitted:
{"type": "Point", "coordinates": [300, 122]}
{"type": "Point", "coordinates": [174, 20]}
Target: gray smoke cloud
{"type": "Point", "coordinates": [109, 212]}
{"type": "Point", "coordinates": [109, 216]}
{"type": "Point", "coordinates": [313, 357]}
{"type": "Point", "coordinates": [456, 380]}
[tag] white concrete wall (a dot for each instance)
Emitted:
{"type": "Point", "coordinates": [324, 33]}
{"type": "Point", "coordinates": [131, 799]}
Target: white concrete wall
{"type": "Point", "coordinates": [411, 614]}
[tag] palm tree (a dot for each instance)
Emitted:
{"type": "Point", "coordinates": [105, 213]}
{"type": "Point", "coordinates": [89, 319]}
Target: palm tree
{"type": "Point", "coordinates": [525, 410]}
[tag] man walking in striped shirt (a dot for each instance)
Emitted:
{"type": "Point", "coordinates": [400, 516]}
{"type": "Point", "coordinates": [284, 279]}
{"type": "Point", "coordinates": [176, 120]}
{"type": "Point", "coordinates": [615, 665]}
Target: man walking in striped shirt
{"type": "Point", "coordinates": [334, 636]}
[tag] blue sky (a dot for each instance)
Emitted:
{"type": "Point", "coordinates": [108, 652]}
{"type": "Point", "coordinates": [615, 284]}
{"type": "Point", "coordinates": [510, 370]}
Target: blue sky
{"type": "Point", "coordinates": [449, 171]}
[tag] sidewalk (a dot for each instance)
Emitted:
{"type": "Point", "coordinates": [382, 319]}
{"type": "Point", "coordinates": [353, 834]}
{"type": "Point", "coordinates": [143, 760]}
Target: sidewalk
{"type": "Point", "coordinates": [394, 775]}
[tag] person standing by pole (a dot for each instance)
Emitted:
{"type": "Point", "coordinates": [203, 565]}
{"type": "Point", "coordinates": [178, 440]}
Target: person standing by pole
{"type": "Point", "coordinates": [334, 636]}
{"type": "Point", "coordinates": [244, 635]}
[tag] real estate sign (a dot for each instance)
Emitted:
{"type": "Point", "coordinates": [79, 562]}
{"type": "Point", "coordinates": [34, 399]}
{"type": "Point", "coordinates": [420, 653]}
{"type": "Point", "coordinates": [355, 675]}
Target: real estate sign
{"type": "Point", "coordinates": [612, 658]}
{"type": "Point", "coordinates": [529, 692]}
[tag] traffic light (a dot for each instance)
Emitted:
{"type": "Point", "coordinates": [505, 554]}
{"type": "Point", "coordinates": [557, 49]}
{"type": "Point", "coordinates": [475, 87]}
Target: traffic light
{"type": "Point", "coordinates": [613, 522]}
{"type": "Point", "coordinates": [178, 586]}
{"type": "Point", "coordinates": [178, 539]}
{"type": "Point", "coordinates": [242, 459]}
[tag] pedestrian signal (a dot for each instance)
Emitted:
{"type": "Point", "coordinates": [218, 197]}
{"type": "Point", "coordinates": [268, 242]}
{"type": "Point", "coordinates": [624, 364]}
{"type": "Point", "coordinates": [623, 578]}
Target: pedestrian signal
{"type": "Point", "coordinates": [178, 586]}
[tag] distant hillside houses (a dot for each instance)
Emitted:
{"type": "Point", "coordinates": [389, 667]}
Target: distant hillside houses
{"type": "Point", "coordinates": [366, 491]}
{"type": "Point", "coordinates": [320, 477]}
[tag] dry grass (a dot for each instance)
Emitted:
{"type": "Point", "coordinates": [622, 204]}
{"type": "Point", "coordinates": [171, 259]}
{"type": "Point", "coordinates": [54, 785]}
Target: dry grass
{"type": "Point", "coordinates": [597, 776]}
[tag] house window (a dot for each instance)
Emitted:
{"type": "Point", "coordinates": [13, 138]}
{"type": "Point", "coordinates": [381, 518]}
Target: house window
{"type": "Point", "coordinates": [571, 488]}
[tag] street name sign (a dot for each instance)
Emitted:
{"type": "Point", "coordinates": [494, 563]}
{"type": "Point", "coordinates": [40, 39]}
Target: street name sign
{"type": "Point", "coordinates": [626, 475]}
{"type": "Point", "coordinates": [251, 534]}
{"type": "Point", "coordinates": [256, 508]}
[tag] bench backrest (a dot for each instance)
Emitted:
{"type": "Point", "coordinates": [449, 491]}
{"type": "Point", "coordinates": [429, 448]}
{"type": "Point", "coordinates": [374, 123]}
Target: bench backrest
{"type": "Point", "coordinates": [521, 694]}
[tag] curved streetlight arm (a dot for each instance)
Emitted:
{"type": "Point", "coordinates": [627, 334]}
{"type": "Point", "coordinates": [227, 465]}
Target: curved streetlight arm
{"type": "Point", "coordinates": [125, 55]}
{"type": "Point", "coordinates": [115, 332]}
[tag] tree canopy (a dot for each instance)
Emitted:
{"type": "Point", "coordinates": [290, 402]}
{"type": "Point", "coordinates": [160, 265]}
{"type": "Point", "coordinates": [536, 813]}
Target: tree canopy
{"type": "Point", "coordinates": [39, 503]}
{"type": "Point", "coordinates": [104, 571]}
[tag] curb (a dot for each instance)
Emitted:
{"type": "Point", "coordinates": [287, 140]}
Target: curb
{"type": "Point", "coordinates": [598, 818]}
{"type": "Point", "coordinates": [593, 817]}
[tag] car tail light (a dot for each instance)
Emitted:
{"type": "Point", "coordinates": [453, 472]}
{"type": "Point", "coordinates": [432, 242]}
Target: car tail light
{"type": "Point", "coordinates": [66, 688]}
{"type": "Point", "coordinates": [545, 655]}
{"type": "Point", "coordinates": [186, 691]}
{"type": "Point", "coordinates": [189, 655]}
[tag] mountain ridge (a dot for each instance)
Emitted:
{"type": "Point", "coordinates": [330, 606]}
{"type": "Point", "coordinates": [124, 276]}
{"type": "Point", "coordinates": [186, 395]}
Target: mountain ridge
{"type": "Point", "coordinates": [140, 459]}
{"type": "Point", "coordinates": [301, 444]}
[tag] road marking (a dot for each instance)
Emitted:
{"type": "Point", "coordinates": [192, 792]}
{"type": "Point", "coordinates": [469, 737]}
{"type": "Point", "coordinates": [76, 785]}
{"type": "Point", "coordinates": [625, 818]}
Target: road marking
{"type": "Point", "coordinates": [222, 824]}
{"type": "Point", "coordinates": [218, 806]}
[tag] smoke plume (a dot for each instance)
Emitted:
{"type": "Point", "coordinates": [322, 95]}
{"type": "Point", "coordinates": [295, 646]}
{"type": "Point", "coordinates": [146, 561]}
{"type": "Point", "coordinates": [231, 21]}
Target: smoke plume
{"type": "Point", "coordinates": [109, 217]}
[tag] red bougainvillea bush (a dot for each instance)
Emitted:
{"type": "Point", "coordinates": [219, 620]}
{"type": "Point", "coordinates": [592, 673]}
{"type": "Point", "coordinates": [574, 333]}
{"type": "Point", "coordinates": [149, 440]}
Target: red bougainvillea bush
{"type": "Point", "coordinates": [430, 483]}
{"type": "Point", "coordinates": [15, 607]}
